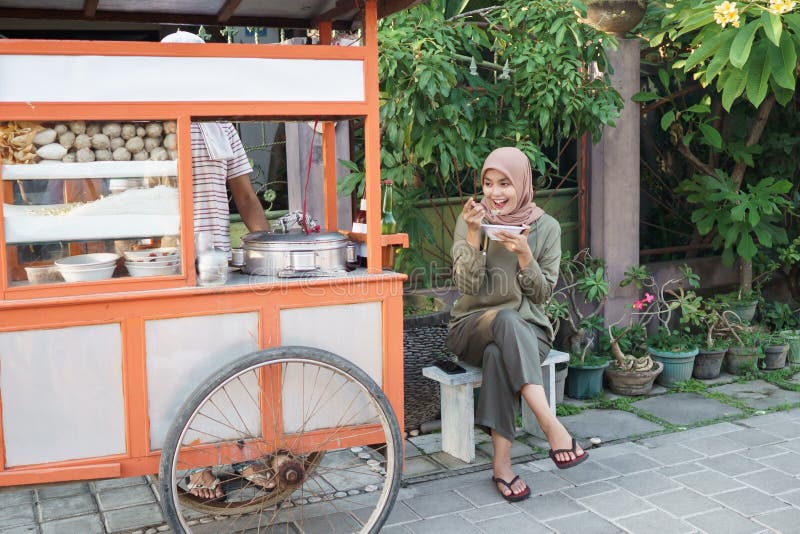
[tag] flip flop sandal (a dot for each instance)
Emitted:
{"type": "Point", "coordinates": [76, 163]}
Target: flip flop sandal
{"type": "Point", "coordinates": [262, 478]}
{"type": "Point", "coordinates": [512, 497]}
{"type": "Point", "coordinates": [190, 486]}
{"type": "Point", "coordinates": [566, 464]}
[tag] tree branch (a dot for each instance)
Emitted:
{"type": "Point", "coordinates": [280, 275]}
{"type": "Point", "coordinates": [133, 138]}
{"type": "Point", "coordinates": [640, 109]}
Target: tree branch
{"type": "Point", "coordinates": [755, 134]}
{"type": "Point", "coordinates": [694, 160]}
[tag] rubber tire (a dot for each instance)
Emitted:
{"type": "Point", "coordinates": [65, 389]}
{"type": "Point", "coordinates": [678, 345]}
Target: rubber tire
{"type": "Point", "coordinates": [167, 489]}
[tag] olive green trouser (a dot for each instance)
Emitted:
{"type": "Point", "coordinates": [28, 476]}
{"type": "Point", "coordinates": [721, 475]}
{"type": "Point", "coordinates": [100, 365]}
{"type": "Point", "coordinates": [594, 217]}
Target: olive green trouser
{"type": "Point", "coordinates": [510, 350]}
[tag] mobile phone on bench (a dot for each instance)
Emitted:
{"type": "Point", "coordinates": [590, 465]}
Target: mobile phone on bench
{"type": "Point", "coordinates": [450, 367]}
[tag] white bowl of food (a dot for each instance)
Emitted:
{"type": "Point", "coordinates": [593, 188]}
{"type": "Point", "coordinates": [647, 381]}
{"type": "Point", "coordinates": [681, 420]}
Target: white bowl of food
{"type": "Point", "coordinates": [88, 274]}
{"type": "Point", "coordinates": [43, 274]}
{"type": "Point", "coordinates": [138, 268]}
{"type": "Point", "coordinates": [87, 261]}
{"type": "Point", "coordinates": [151, 254]}
{"type": "Point", "coordinates": [492, 230]}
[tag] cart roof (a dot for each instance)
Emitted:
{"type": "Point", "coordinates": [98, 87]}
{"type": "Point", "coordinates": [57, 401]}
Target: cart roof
{"type": "Point", "coordinates": [260, 13]}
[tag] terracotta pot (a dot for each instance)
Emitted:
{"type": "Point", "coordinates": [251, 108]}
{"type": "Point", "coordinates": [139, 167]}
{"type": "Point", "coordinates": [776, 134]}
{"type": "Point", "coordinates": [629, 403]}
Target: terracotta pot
{"type": "Point", "coordinates": [632, 383]}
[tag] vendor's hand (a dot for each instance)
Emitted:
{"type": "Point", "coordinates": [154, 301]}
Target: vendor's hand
{"type": "Point", "coordinates": [516, 243]}
{"type": "Point", "coordinates": [473, 214]}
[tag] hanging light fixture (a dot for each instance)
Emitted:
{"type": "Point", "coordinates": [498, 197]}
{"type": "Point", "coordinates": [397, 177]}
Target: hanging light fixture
{"type": "Point", "coordinates": [473, 67]}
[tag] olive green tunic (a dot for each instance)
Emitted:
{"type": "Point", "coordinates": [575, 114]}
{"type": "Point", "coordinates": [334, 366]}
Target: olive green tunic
{"type": "Point", "coordinates": [499, 321]}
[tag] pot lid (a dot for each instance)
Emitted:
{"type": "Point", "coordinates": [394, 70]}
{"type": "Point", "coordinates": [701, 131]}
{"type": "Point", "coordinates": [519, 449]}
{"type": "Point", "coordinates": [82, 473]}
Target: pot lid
{"type": "Point", "coordinates": [257, 238]}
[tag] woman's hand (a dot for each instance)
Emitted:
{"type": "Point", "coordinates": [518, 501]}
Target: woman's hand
{"type": "Point", "coordinates": [518, 244]}
{"type": "Point", "coordinates": [473, 214]}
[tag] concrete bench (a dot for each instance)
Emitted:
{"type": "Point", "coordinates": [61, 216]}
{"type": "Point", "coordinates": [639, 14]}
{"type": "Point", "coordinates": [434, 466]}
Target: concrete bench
{"type": "Point", "coordinates": [458, 411]}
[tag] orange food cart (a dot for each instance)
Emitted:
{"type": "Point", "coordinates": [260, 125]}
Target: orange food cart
{"type": "Point", "coordinates": [297, 378]}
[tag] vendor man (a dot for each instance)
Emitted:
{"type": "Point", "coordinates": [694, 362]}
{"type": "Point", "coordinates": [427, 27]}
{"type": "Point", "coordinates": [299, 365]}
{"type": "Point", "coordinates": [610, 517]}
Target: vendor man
{"type": "Point", "coordinates": [218, 158]}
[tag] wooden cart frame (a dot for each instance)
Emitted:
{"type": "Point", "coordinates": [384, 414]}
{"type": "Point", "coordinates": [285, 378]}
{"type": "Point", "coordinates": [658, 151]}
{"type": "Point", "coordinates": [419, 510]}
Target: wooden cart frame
{"type": "Point", "coordinates": [134, 305]}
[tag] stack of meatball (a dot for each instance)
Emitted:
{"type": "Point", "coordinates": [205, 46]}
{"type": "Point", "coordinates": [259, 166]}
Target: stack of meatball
{"type": "Point", "coordinates": [83, 141]}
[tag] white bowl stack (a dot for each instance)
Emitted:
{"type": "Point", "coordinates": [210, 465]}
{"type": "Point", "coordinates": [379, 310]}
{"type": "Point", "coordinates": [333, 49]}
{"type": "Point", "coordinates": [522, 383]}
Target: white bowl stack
{"type": "Point", "coordinates": [153, 262]}
{"type": "Point", "coordinates": [87, 267]}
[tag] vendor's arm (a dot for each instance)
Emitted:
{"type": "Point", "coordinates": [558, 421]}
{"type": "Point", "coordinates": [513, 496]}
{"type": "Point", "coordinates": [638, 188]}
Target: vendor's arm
{"type": "Point", "coordinates": [537, 277]}
{"type": "Point", "coordinates": [469, 263]}
{"type": "Point", "coordinates": [247, 203]}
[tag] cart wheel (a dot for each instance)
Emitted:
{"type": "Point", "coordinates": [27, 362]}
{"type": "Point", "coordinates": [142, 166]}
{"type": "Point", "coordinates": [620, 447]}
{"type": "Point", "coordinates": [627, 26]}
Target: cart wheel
{"type": "Point", "coordinates": [315, 426]}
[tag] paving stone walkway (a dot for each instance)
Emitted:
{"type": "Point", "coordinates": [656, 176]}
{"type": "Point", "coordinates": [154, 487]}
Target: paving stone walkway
{"type": "Point", "coordinates": [713, 461]}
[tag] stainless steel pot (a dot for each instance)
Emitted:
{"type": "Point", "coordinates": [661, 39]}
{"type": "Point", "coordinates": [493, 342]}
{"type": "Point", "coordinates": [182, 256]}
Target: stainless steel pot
{"type": "Point", "coordinates": [297, 254]}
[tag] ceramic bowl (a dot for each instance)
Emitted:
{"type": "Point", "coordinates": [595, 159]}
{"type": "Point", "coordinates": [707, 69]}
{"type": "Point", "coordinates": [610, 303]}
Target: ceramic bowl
{"type": "Point", "coordinates": [87, 261]}
{"type": "Point", "coordinates": [88, 274]}
{"type": "Point", "coordinates": [151, 254]}
{"type": "Point", "coordinates": [136, 268]}
{"type": "Point", "coordinates": [492, 229]}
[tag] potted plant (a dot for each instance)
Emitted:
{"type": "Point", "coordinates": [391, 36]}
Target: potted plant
{"type": "Point", "coordinates": [745, 349]}
{"type": "Point", "coordinates": [780, 318]}
{"type": "Point", "coordinates": [578, 303]}
{"type": "Point", "coordinates": [775, 348]}
{"type": "Point", "coordinates": [704, 318]}
{"type": "Point", "coordinates": [676, 350]}
{"type": "Point", "coordinates": [633, 371]}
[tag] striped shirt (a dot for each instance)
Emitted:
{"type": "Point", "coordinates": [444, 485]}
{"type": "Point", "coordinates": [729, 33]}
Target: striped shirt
{"type": "Point", "coordinates": [209, 178]}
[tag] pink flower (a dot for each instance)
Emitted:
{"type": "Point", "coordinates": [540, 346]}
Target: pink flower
{"type": "Point", "coordinates": [638, 305]}
{"type": "Point", "coordinates": [648, 298]}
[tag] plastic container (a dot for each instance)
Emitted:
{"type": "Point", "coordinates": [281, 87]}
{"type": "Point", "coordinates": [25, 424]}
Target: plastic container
{"type": "Point", "coordinates": [43, 274]}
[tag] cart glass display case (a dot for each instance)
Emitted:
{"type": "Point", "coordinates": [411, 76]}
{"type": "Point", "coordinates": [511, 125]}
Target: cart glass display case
{"type": "Point", "coordinates": [87, 201]}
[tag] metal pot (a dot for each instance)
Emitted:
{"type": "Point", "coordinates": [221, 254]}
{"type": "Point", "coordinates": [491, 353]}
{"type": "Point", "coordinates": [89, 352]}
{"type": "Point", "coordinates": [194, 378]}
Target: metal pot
{"type": "Point", "coordinates": [296, 254]}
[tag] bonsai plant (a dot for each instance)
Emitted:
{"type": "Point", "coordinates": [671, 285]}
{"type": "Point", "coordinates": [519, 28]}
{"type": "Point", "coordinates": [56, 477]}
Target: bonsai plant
{"type": "Point", "coordinates": [578, 303]}
{"type": "Point", "coordinates": [674, 348]}
{"type": "Point", "coordinates": [633, 370]}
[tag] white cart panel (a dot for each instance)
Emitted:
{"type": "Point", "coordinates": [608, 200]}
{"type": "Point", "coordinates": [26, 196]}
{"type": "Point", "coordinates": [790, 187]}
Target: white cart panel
{"type": "Point", "coordinates": [64, 387]}
{"type": "Point", "coordinates": [29, 78]}
{"type": "Point", "coordinates": [352, 331]}
{"type": "Point", "coordinates": [184, 352]}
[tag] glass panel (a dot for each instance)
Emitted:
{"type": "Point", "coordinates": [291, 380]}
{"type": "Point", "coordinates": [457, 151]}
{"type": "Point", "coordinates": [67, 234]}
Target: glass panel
{"type": "Point", "coordinates": [90, 200]}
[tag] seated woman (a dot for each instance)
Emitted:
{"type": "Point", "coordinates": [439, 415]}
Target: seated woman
{"type": "Point", "coordinates": [499, 321]}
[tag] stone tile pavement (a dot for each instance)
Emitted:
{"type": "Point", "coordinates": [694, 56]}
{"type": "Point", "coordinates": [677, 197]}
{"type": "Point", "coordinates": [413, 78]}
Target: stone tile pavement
{"type": "Point", "coordinates": [671, 463]}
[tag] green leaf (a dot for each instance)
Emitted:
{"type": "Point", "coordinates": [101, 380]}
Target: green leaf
{"type": "Point", "coordinates": [746, 248]}
{"type": "Point", "coordinates": [734, 86]}
{"type": "Point", "coordinates": [697, 20]}
{"type": "Point", "coordinates": [644, 97]}
{"type": "Point", "coordinates": [717, 63]}
{"type": "Point", "coordinates": [667, 119]}
{"type": "Point", "coordinates": [664, 77]}
{"type": "Point", "coordinates": [773, 27]}
{"type": "Point", "coordinates": [707, 49]}
{"type": "Point", "coordinates": [740, 47]}
{"type": "Point", "coordinates": [783, 61]}
{"type": "Point", "coordinates": [711, 135]}
{"type": "Point", "coordinates": [699, 108]}
{"type": "Point", "coordinates": [758, 76]}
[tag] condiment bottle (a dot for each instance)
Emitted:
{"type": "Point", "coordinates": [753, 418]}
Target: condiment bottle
{"type": "Point", "coordinates": [388, 223]}
{"type": "Point", "coordinates": [360, 222]}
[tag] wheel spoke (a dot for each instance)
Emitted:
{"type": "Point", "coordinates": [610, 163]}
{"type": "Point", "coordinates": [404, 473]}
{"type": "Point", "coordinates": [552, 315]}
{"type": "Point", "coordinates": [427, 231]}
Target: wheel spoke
{"type": "Point", "coordinates": [310, 408]}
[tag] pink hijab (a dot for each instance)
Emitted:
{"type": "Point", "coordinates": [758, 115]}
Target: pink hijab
{"type": "Point", "coordinates": [516, 166]}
